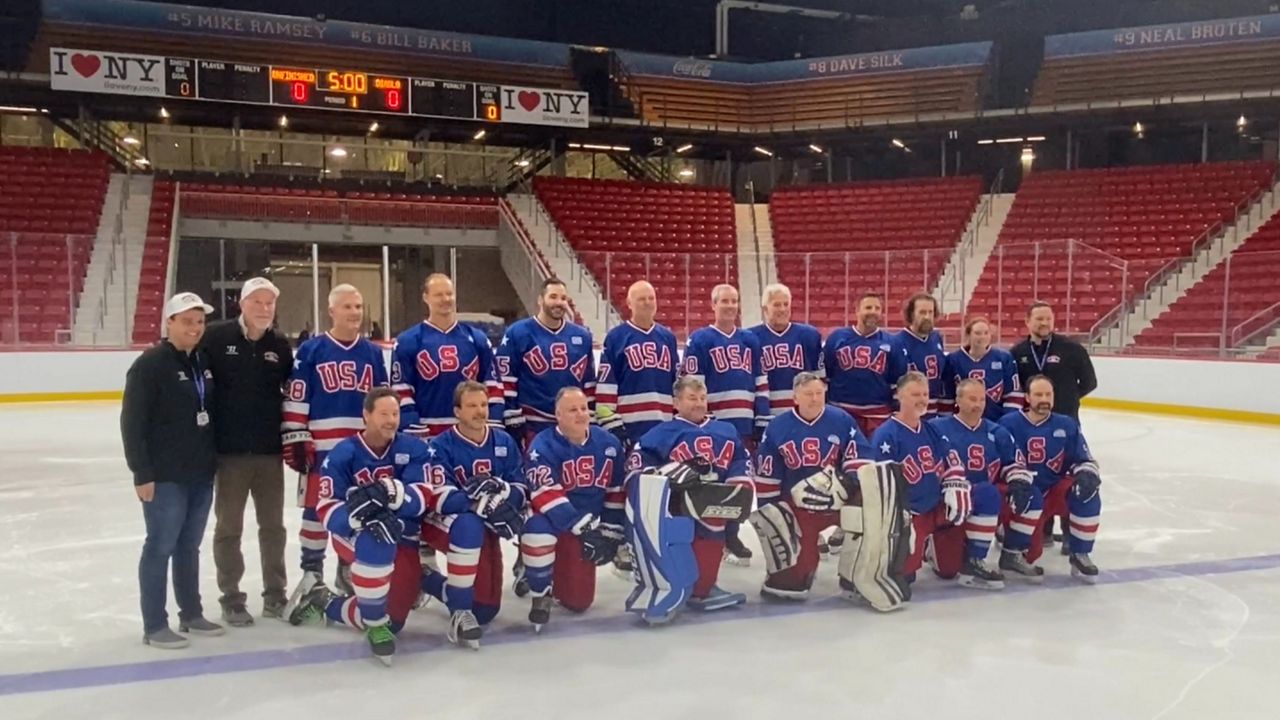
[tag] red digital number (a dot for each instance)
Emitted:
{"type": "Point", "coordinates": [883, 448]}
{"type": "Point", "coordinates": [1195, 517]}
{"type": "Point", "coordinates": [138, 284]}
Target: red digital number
{"type": "Point", "coordinates": [299, 92]}
{"type": "Point", "coordinates": [393, 99]}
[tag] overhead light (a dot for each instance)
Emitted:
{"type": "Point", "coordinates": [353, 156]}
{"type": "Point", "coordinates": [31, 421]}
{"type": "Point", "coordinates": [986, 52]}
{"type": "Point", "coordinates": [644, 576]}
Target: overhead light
{"type": "Point", "coordinates": [1008, 140]}
{"type": "Point", "coordinates": [1242, 121]}
{"type": "Point", "coordinates": [620, 148]}
{"type": "Point", "coordinates": [18, 109]}
{"type": "Point", "coordinates": [373, 128]}
{"type": "Point", "coordinates": [164, 114]}
{"type": "Point", "coordinates": [1137, 128]}
{"type": "Point", "coordinates": [988, 141]}
{"type": "Point", "coordinates": [589, 146]}
{"type": "Point", "coordinates": [438, 176]}
{"type": "Point", "coordinates": [815, 148]}
{"type": "Point", "coordinates": [479, 134]}
{"type": "Point", "coordinates": [142, 162]}
{"type": "Point", "coordinates": [898, 143]}
{"type": "Point", "coordinates": [284, 121]}
{"type": "Point", "coordinates": [1028, 154]}
{"type": "Point", "coordinates": [687, 172]}
{"type": "Point", "coordinates": [338, 152]}
{"type": "Point", "coordinates": [175, 145]}
{"type": "Point", "coordinates": [1036, 138]}
{"type": "Point", "coordinates": [130, 140]}
{"type": "Point", "coordinates": [684, 148]}
{"type": "Point", "coordinates": [522, 163]}
{"type": "Point", "coordinates": [762, 151]}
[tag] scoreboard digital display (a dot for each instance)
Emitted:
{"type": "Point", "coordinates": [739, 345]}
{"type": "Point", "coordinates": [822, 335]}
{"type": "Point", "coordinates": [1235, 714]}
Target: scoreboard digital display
{"type": "Point", "coordinates": [328, 88]}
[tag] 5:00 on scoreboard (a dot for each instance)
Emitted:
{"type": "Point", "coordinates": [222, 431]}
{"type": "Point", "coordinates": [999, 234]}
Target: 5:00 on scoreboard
{"type": "Point", "coordinates": [345, 89]}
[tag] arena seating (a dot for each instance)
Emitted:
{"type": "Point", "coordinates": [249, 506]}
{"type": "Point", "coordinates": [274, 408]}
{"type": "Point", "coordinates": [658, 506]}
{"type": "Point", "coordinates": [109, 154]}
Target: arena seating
{"type": "Point", "coordinates": [1159, 73]}
{"type": "Point", "coordinates": [680, 238]}
{"type": "Point", "coordinates": [701, 103]}
{"type": "Point", "coordinates": [895, 238]}
{"type": "Point", "coordinates": [246, 201]}
{"type": "Point", "coordinates": [50, 204]}
{"type": "Point", "coordinates": [1246, 282]}
{"type": "Point", "coordinates": [1086, 240]}
{"type": "Point", "coordinates": [152, 281]}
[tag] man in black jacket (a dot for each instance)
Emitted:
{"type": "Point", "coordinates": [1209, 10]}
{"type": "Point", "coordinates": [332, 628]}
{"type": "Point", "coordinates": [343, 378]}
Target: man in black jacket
{"type": "Point", "coordinates": [166, 423]}
{"type": "Point", "coordinates": [1062, 359]}
{"type": "Point", "coordinates": [250, 363]}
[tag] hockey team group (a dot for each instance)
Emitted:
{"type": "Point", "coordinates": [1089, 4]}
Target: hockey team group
{"type": "Point", "coordinates": [650, 461]}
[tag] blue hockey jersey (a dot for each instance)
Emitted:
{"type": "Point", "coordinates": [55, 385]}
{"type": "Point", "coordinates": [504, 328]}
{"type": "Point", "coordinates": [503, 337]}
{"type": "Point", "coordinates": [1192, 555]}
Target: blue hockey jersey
{"type": "Point", "coordinates": [637, 371]}
{"type": "Point", "coordinates": [567, 480]}
{"type": "Point", "coordinates": [326, 389]}
{"type": "Point", "coordinates": [926, 355]}
{"type": "Point", "coordinates": [861, 371]}
{"type": "Point", "coordinates": [534, 362]}
{"type": "Point", "coordinates": [715, 441]}
{"type": "Point", "coordinates": [927, 460]}
{"type": "Point", "coordinates": [352, 462]}
{"type": "Point", "coordinates": [1053, 448]}
{"type": "Point", "coordinates": [737, 391]}
{"type": "Point", "coordinates": [783, 355]}
{"type": "Point", "coordinates": [996, 369]}
{"type": "Point", "coordinates": [987, 451]}
{"type": "Point", "coordinates": [452, 459]}
{"type": "Point", "coordinates": [427, 365]}
{"type": "Point", "coordinates": [794, 448]}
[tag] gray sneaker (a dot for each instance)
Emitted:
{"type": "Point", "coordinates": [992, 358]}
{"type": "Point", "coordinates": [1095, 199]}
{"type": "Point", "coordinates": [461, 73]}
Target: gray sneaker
{"type": "Point", "coordinates": [165, 639]}
{"type": "Point", "coordinates": [200, 626]}
{"type": "Point", "coordinates": [237, 615]}
{"type": "Point", "coordinates": [274, 607]}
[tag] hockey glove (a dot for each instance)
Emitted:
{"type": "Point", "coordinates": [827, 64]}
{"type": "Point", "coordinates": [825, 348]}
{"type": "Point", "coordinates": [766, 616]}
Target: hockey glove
{"type": "Point", "coordinates": [299, 451]}
{"type": "Point", "coordinates": [1019, 497]}
{"type": "Point", "coordinates": [600, 543]}
{"type": "Point", "coordinates": [1086, 484]}
{"type": "Point", "coordinates": [499, 504]}
{"type": "Point", "coordinates": [955, 495]}
{"type": "Point", "coordinates": [385, 527]}
{"type": "Point", "coordinates": [814, 493]}
{"type": "Point", "coordinates": [394, 490]}
{"type": "Point", "coordinates": [364, 501]}
{"type": "Point", "coordinates": [689, 473]}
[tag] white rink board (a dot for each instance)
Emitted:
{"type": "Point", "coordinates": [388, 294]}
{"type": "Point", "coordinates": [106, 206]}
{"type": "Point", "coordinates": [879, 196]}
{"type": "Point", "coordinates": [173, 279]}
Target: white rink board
{"type": "Point", "coordinates": [1182, 626]}
{"type": "Point", "coordinates": [1248, 386]}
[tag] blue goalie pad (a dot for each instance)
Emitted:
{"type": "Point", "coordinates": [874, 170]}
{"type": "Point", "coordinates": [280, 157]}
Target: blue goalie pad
{"type": "Point", "coordinates": [665, 567]}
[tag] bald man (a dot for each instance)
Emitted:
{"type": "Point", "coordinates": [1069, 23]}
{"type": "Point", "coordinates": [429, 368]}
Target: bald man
{"type": "Point", "coordinates": [638, 368]}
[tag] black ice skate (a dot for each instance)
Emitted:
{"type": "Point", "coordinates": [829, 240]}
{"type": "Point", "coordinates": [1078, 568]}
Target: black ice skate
{"type": "Point", "coordinates": [465, 630]}
{"type": "Point", "coordinates": [975, 574]}
{"type": "Point", "coordinates": [1015, 561]}
{"type": "Point", "coordinates": [1082, 567]}
{"type": "Point", "coordinates": [540, 612]}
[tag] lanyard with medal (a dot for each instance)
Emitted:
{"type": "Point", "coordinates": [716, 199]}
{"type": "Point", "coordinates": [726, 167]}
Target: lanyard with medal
{"type": "Point", "coordinates": [202, 415]}
{"type": "Point", "coordinates": [1041, 359]}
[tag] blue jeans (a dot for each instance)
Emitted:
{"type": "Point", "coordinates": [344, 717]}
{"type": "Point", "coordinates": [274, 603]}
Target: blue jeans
{"type": "Point", "coordinates": [176, 519]}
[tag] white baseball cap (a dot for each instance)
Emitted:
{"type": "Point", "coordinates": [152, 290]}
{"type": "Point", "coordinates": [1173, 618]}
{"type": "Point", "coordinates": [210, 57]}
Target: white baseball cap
{"type": "Point", "coordinates": [253, 285]}
{"type": "Point", "coordinates": [183, 302]}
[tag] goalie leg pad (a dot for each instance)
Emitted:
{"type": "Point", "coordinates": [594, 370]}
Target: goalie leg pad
{"type": "Point", "coordinates": [879, 538]}
{"type": "Point", "coordinates": [665, 568]}
{"type": "Point", "coordinates": [779, 534]}
{"type": "Point", "coordinates": [799, 577]}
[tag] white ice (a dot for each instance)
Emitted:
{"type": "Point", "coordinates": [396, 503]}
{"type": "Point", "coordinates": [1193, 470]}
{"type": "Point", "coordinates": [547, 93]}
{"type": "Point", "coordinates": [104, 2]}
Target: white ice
{"type": "Point", "coordinates": [1186, 623]}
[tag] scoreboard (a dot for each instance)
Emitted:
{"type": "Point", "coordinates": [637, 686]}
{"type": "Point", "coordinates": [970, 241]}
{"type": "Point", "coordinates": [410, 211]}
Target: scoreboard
{"type": "Point", "coordinates": [330, 88]}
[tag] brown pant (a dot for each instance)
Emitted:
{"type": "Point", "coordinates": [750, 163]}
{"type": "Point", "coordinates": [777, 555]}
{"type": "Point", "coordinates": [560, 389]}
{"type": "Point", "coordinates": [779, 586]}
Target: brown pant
{"type": "Point", "coordinates": [240, 476]}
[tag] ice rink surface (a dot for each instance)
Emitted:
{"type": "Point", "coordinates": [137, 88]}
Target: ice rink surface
{"type": "Point", "coordinates": [1185, 622]}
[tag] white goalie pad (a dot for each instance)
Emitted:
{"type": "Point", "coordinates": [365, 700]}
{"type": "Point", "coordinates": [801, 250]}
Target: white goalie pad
{"type": "Point", "coordinates": [779, 534]}
{"type": "Point", "coordinates": [878, 538]}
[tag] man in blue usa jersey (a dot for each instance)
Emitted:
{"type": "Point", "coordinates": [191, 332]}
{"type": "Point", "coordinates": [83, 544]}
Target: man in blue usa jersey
{"type": "Point", "coordinates": [786, 348]}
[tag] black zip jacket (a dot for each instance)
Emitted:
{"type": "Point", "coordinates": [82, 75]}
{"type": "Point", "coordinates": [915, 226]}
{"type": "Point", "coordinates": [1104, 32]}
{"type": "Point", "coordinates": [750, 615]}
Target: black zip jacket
{"type": "Point", "coordinates": [250, 377]}
{"type": "Point", "coordinates": [1066, 363]}
{"type": "Point", "coordinates": [162, 442]}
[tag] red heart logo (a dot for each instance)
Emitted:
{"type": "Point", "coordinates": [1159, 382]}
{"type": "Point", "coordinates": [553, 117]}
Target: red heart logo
{"type": "Point", "coordinates": [529, 100]}
{"type": "Point", "coordinates": [86, 65]}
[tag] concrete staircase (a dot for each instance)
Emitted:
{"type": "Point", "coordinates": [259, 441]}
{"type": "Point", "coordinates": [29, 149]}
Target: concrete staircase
{"type": "Point", "coordinates": [751, 280]}
{"type": "Point", "coordinates": [105, 313]}
{"type": "Point", "coordinates": [960, 278]}
{"type": "Point", "coordinates": [549, 251]}
{"type": "Point", "coordinates": [1185, 273]}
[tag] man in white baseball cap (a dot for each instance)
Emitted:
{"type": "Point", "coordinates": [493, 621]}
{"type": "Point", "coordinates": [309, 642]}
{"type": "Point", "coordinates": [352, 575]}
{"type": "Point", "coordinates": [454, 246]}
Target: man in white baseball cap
{"type": "Point", "coordinates": [166, 423]}
{"type": "Point", "coordinates": [250, 362]}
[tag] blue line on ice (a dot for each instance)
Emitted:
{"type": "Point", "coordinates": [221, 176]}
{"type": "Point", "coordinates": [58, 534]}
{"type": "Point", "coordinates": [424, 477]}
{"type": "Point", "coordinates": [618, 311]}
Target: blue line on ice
{"type": "Point", "coordinates": [411, 642]}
